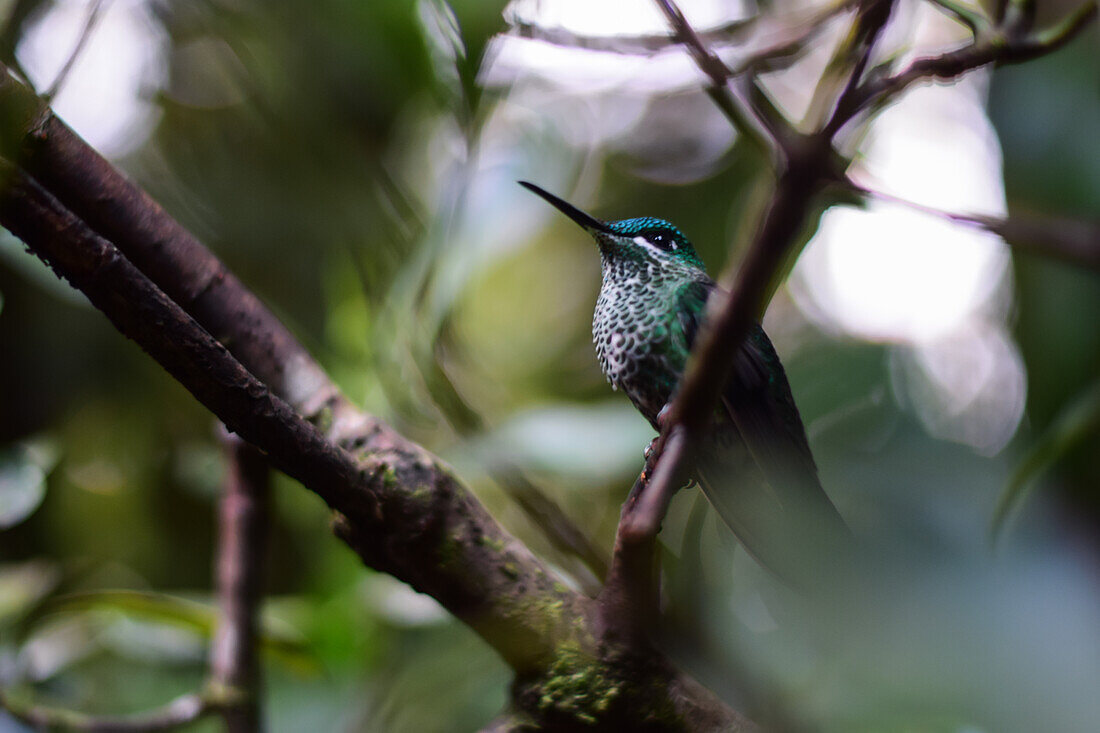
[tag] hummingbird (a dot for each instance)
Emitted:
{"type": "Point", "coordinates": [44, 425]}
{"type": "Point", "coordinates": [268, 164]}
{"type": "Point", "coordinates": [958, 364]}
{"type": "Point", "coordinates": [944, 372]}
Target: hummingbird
{"type": "Point", "coordinates": [755, 465]}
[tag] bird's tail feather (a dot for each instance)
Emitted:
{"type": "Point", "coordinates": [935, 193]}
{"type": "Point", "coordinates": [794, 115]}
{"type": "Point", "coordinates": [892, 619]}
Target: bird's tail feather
{"type": "Point", "coordinates": [790, 534]}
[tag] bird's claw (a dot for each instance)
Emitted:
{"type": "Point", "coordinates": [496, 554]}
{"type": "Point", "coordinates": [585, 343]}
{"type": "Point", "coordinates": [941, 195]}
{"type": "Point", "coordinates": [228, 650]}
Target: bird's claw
{"type": "Point", "coordinates": [662, 416]}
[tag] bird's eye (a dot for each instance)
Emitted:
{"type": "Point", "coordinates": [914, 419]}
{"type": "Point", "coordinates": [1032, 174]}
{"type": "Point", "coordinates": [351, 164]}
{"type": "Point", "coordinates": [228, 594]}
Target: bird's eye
{"type": "Point", "coordinates": [662, 241]}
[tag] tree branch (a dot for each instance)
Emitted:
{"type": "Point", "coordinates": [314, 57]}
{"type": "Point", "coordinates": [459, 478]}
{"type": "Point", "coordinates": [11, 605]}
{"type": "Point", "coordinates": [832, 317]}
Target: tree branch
{"type": "Point", "coordinates": [94, 12]}
{"type": "Point", "coordinates": [852, 57]}
{"type": "Point", "coordinates": [545, 514]}
{"type": "Point", "coordinates": [1002, 46]}
{"type": "Point", "coordinates": [242, 528]}
{"type": "Point", "coordinates": [762, 42]}
{"type": "Point", "coordinates": [400, 510]}
{"type": "Point", "coordinates": [1071, 240]}
{"type": "Point", "coordinates": [630, 45]}
{"type": "Point", "coordinates": [738, 111]}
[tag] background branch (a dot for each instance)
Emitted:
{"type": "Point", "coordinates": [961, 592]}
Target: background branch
{"type": "Point", "coordinates": [181, 711]}
{"type": "Point", "coordinates": [94, 12]}
{"type": "Point", "coordinates": [242, 529]}
{"type": "Point", "coordinates": [1003, 47]}
{"type": "Point", "coordinates": [232, 686]}
{"type": "Point", "coordinates": [760, 42]}
{"type": "Point", "coordinates": [1070, 240]}
{"type": "Point", "coordinates": [730, 103]}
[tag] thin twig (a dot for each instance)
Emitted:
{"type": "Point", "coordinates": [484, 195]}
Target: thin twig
{"type": "Point", "coordinates": [793, 35]}
{"type": "Point", "coordinates": [994, 48]}
{"type": "Point", "coordinates": [738, 111]}
{"type": "Point", "coordinates": [852, 57]}
{"type": "Point", "coordinates": [1071, 240]}
{"type": "Point", "coordinates": [552, 521]}
{"type": "Point", "coordinates": [730, 317]}
{"type": "Point", "coordinates": [179, 712]}
{"type": "Point", "coordinates": [630, 599]}
{"type": "Point", "coordinates": [94, 13]}
{"type": "Point", "coordinates": [242, 526]}
{"type": "Point", "coordinates": [631, 588]}
{"type": "Point", "coordinates": [546, 515]}
{"type": "Point", "coordinates": [763, 40]}
{"type": "Point", "coordinates": [974, 19]}
{"type": "Point", "coordinates": [648, 44]}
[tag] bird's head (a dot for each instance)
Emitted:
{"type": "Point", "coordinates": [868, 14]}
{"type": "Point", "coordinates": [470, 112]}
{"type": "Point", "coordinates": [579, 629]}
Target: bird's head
{"type": "Point", "coordinates": [642, 239]}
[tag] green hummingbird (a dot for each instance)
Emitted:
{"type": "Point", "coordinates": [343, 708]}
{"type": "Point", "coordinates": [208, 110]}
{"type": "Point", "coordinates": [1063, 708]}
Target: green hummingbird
{"type": "Point", "coordinates": [756, 467]}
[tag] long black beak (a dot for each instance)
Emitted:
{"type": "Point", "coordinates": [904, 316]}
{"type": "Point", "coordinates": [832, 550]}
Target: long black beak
{"type": "Point", "coordinates": [590, 223]}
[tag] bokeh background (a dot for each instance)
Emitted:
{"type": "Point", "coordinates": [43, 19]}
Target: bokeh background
{"type": "Point", "coordinates": [355, 164]}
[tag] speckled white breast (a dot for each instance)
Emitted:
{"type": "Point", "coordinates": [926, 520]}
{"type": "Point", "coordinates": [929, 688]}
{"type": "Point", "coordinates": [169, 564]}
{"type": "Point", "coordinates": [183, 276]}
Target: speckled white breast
{"type": "Point", "coordinates": [638, 337]}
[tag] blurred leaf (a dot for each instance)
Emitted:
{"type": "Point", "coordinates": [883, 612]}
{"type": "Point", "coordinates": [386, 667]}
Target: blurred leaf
{"type": "Point", "coordinates": [23, 480]}
{"type": "Point", "coordinates": [22, 488]}
{"type": "Point", "coordinates": [604, 441]}
{"type": "Point", "coordinates": [22, 585]}
{"type": "Point", "coordinates": [444, 40]}
{"type": "Point", "coordinates": [56, 646]}
{"type": "Point", "coordinates": [199, 467]}
{"type": "Point", "coordinates": [398, 604]}
{"type": "Point", "coordinates": [277, 640]}
{"type": "Point", "coordinates": [1076, 422]}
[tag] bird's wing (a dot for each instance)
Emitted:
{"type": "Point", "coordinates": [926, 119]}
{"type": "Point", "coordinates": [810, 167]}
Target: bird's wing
{"type": "Point", "coordinates": [781, 513]}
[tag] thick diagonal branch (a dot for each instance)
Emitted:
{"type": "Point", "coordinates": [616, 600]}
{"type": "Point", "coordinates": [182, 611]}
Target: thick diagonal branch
{"type": "Point", "coordinates": [401, 510]}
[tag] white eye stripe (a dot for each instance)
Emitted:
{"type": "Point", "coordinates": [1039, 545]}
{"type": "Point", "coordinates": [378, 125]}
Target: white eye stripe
{"type": "Point", "coordinates": [642, 241]}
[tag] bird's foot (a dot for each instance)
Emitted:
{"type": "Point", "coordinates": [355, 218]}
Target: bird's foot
{"type": "Point", "coordinates": [662, 416]}
{"type": "Point", "coordinates": [650, 450]}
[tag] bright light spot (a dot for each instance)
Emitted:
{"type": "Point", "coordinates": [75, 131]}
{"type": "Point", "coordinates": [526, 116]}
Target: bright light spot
{"type": "Point", "coordinates": [399, 604]}
{"type": "Point", "coordinates": [648, 106]}
{"type": "Point", "coordinates": [938, 288]}
{"type": "Point", "coordinates": [968, 387]}
{"type": "Point", "coordinates": [624, 17]}
{"type": "Point", "coordinates": [106, 96]}
{"type": "Point", "coordinates": [895, 274]}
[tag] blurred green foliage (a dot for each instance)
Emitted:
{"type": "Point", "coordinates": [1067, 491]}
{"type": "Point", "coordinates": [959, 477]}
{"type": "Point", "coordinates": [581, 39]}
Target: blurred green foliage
{"type": "Point", "coordinates": [328, 152]}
